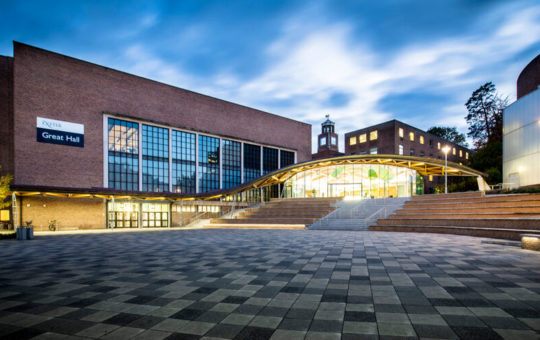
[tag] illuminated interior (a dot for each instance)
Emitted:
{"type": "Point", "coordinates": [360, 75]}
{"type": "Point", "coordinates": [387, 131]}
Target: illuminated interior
{"type": "Point", "coordinates": [354, 181]}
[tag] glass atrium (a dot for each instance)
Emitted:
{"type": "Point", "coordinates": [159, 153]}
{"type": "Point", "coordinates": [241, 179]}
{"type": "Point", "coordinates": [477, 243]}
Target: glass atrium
{"type": "Point", "coordinates": [355, 181]}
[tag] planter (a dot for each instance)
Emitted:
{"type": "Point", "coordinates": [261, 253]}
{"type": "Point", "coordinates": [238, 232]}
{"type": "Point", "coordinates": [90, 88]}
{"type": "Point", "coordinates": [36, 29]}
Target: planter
{"type": "Point", "coordinates": [29, 233]}
{"type": "Point", "coordinates": [21, 233]}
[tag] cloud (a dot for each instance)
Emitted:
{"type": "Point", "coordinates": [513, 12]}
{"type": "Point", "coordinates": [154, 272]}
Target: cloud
{"type": "Point", "coordinates": [324, 67]}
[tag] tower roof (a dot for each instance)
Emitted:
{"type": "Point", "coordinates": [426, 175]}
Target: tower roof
{"type": "Point", "coordinates": [328, 121]}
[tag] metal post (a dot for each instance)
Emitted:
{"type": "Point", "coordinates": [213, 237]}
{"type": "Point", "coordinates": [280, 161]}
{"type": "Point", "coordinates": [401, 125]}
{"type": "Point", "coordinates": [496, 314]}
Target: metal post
{"type": "Point", "coordinates": [445, 173]}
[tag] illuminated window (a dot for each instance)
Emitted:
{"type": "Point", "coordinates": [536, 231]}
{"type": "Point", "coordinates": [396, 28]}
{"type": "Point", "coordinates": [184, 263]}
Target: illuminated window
{"type": "Point", "coordinates": [439, 145]}
{"type": "Point", "coordinates": [183, 162]}
{"type": "Point", "coordinates": [431, 178]}
{"type": "Point", "coordinates": [411, 136]}
{"type": "Point", "coordinates": [208, 163]}
{"type": "Point", "coordinates": [454, 151]}
{"type": "Point", "coordinates": [421, 139]}
{"type": "Point", "coordinates": [373, 151]}
{"type": "Point", "coordinates": [401, 149]}
{"type": "Point", "coordinates": [352, 141]}
{"type": "Point", "coordinates": [4, 215]}
{"type": "Point", "coordinates": [362, 138]}
{"type": "Point", "coordinates": [155, 150]}
{"type": "Point", "coordinates": [373, 135]}
{"type": "Point", "coordinates": [400, 132]}
{"type": "Point", "coordinates": [123, 155]}
{"type": "Point", "coordinates": [460, 153]}
{"type": "Point", "coordinates": [466, 155]}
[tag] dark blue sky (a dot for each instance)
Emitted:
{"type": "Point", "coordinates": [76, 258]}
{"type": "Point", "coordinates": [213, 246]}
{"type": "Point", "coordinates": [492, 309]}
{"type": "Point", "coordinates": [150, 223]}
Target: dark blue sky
{"type": "Point", "coordinates": [363, 62]}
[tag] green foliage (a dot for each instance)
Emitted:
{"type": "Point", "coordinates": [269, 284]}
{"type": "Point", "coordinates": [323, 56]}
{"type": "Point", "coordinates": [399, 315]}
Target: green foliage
{"type": "Point", "coordinates": [488, 159]}
{"type": "Point", "coordinates": [467, 184]}
{"type": "Point", "coordinates": [485, 108]}
{"type": "Point", "coordinates": [372, 174]}
{"type": "Point", "coordinates": [450, 134]}
{"type": "Point", "coordinates": [4, 190]}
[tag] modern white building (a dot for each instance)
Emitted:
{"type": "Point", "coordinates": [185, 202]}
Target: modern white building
{"type": "Point", "coordinates": [521, 141]}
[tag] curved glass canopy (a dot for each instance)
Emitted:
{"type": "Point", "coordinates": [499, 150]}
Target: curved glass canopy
{"type": "Point", "coordinates": [355, 181]}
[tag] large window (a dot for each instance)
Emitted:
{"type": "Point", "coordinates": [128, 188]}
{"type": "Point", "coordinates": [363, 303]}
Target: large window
{"type": "Point", "coordinates": [270, 160]}
{"type": "Point", "coordinates": [232, 163]}
{"type": "Point", "coordinates": [155, 158]}
{"type": "Point", "coordinates": [123, 155]}
{"type": "Point", "coordinates": [252, 162]}
{"type": "Point", "coordinates": [286, 158]}
{"type": "Point", "coordinates": [208, 163]}
{"type": "Point", "coordinates": [183, 162]}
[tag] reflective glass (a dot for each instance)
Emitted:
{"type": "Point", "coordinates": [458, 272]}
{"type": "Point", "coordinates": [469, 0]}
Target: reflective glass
{"type": "Point", "coordinates": [270, 160]}
{"type": "Point", "coordinates": [286, 158]}
{"type": "Point", "coordinates": [208, 163]}
{"type": "Point", "coordinates": [155, 158]}
{"type": "Point", "coordinates": [183, 162]}
{"type": "Point", "coordinates": [232, 163]}
{"type": "Point", "coordinates": [252, 162]}
{"type": "Point", "coordinates": [123, 155]}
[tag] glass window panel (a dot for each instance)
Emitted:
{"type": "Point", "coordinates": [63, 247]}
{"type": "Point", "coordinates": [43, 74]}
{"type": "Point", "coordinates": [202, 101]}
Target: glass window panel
{"type": "Point", "coordinates": [155, 158]}
{"type": "Point", "coordinates": [183, 162]}
{"type": "Point", "coordinates": [208, 163]}
{"type": "Point", "coordinates": [270, 160]}
{"type": "Point", "coordinates": [232, 163]}
{"type": "Point", "coordinates": [252, 162]}
{"type": "Point", "coordinates": [123, 155]}
{"type": "Point", "coordinates": [286, 158]}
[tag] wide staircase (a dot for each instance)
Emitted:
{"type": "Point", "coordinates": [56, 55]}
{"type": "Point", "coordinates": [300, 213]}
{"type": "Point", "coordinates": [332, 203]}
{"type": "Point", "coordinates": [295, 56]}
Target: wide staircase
{"type": "Point", "coordinates": [474, 214]}
{"type": "Point", "coordinates": [285, 213]}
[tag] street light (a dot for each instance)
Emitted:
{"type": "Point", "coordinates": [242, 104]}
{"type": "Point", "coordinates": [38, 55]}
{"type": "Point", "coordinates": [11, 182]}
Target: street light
{"type": "Point", "coordinates": [446, 150]}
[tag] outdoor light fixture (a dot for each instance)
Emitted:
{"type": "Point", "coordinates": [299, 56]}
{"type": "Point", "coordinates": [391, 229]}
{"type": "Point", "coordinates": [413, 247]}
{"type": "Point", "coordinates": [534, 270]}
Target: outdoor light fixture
{"type": "Point", "coordinates": [446, 150]}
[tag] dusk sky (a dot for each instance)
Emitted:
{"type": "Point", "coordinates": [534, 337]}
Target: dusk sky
{"type": "Point", "coordinates": [362, 62]}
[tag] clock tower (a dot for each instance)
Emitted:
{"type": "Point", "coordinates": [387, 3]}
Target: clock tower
{"type": "Point", "coordinates": [328, 140]}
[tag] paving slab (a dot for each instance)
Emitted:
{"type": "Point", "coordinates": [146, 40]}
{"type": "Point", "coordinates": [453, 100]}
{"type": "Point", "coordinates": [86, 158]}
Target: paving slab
{"type": "Point", "coordinates": [267, 284]}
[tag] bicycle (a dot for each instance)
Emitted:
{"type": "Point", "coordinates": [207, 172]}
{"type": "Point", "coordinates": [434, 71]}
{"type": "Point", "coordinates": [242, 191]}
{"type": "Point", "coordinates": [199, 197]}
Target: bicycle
{"type": "Point", "coordinates": [52, 225]}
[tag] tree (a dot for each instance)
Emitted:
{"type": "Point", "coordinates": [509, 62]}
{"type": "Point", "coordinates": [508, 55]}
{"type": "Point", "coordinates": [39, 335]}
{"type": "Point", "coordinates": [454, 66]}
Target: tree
{"type": "Point", "coordinates": [450, 134]}
{"type": "Point", "coordinates": [4, 190]}
{"type": "Point", "coordinates": [485, 108]}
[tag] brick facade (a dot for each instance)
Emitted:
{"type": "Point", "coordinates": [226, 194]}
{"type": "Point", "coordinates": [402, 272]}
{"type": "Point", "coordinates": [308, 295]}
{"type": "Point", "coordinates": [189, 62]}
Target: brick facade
{"type": "Point", "coordinates": [388, 141]}
{"type": "Point", "coordinates": [6, 115]}
{"type": "Point", "coordinates": [54, 86]}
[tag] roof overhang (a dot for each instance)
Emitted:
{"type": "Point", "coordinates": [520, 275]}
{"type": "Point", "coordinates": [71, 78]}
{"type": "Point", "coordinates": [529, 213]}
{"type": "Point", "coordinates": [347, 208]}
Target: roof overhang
{"type": "Point", "coordinates": [423, 165]}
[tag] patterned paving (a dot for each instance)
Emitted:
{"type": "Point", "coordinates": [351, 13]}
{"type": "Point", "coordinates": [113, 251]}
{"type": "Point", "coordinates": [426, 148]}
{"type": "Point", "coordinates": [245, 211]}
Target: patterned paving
{"type": "Point", "coordinates": [267, 284]}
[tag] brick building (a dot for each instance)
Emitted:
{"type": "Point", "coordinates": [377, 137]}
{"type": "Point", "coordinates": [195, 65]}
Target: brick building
{"type": "Point", "coordinates": [397, 138]}
{"type": "Point", "coordinates": [68, 123]}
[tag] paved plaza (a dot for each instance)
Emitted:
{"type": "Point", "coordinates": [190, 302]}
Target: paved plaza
{"type": "Point", "coordinates": [267, 284]}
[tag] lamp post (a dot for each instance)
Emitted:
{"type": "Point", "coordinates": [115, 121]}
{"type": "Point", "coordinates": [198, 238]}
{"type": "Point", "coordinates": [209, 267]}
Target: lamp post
{"type": "Point", "coordinates": [446, 149]}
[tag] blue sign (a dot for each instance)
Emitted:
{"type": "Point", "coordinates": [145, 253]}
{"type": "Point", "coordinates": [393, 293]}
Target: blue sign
{"type": "Point", "coordinates": [60, 132]}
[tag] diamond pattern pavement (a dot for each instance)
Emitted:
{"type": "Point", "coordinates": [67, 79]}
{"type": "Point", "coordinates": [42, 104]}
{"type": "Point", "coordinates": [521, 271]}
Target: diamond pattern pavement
{"type": "Point", "coordinates": [267, 284]}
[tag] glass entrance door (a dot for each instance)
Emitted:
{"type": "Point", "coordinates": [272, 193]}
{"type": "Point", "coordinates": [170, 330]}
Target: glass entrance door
{"type": "Point", "coordinates": [123, 215]}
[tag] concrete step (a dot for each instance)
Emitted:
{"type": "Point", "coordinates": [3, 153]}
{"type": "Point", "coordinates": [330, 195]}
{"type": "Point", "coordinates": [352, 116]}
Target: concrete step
{"type": "Point", "coordinates": [503, 233]}
{"type": "Point", "coordinates": [296, 206]}
{"type": "Point", "coordinates": [493, 204]}
{"type": "Point", "coordinates": [510, 223]}
{"type": "Point", "coordinates": [277, 220]}
{"type": "Point", "coordinates": [461, 214]}
{"type": "Point", "coordinates": [475, 200]}
{"type": "Point", "coordinates": [469, 209]}
{"type": "Point", "coordinates": [457, 195]}
{"type": "Point", "coordinates": [254, 226]}
{"type": "Point", "coordinates": [251, 216]}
